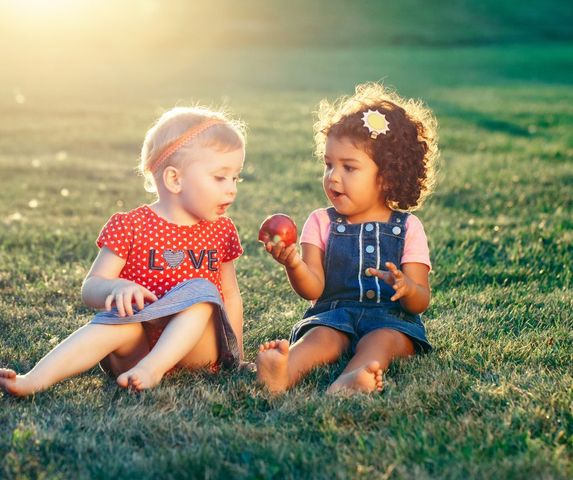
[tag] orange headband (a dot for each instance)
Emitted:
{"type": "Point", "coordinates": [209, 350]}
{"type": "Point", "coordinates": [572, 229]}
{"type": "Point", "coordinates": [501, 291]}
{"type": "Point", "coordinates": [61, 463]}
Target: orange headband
{"type": "Point", "coordinates": [182, 140]}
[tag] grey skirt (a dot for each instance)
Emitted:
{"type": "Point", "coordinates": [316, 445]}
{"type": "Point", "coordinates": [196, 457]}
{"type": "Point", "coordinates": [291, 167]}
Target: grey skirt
{"type": "Point", "coordinates": [179, 298]}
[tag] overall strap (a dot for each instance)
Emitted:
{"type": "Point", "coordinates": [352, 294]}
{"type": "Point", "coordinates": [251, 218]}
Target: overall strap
{"type": "Point", "coordinates": [334, 216]}
{"type": "Point", "coordinates": [399, 217]}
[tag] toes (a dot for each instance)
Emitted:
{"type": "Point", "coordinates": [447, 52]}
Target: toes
{"type": "Point", "coordinates": [373, 367]}
{"type": "Point", "coordinates": [122, 380]}
{"type": "Point", "coordinates": [379, 381]}
{"type": "Point", "coordinates": [283, 346]}
{"type": "Point", "coordinates": [135, 384]}
{"type": "Point", "coordinates": [7, 373]}
{"type": "Point", "coordinates": [132, 380]}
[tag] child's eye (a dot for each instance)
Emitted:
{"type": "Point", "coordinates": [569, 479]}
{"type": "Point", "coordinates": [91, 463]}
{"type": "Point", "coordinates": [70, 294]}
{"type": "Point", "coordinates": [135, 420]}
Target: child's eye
{"type": "Point", "coordinates": [327, 166]}
{"type": "Point", "coordinates": [236, 179]}
{"type": "Point", "coordinates": [348, 168]}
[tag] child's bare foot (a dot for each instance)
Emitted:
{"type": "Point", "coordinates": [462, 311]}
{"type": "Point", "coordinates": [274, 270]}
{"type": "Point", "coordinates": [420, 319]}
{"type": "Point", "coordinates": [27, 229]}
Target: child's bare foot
{"type": "Point", "coordinates": [14, 384]}
{"type": "Point", "coordinates": [272, 365]}
{"type": "Point", "coordinates": [363, 379]}
{"type": "Point", "coordinates": [138, 378]}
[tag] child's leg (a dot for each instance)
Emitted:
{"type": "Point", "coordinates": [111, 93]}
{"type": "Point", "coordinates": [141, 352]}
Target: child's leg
{"type": "Point", "coordinates": [184, 332]}
{"type": "Point", "coordinates": [126, 356]}
{"type": "Point", "coordinates": [79, 352]}
{"type": "Point", "coordinates": [279, 367]}
{"type": "Point", "coordinates": [374, 353]}
{"type": "Point", "coordinates": [206, 350]}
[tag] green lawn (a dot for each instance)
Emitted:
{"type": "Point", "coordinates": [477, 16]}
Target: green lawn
{"type": "Point", "coordinates": [494, 399]}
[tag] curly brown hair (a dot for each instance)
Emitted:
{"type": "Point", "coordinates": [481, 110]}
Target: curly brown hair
{"type": "Point", "coordinates": [406, 155]}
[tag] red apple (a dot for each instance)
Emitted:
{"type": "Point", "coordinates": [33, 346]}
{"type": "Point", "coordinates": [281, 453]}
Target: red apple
{"type": "Point", "coordinates": [278, 227]}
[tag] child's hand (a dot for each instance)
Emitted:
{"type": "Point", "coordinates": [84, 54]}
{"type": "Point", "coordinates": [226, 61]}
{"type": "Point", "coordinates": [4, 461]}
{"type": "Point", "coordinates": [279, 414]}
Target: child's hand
{"type": "Point", "coordinates": [125, 294]}
{"type": "Point", "coordinates": [287, 256]}
{"type": "Point", "coordinates": [398, 280]}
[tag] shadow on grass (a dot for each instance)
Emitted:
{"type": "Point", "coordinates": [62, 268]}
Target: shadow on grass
{"type": "Point", "coordinates": [480, 200]}
{"type": "Point", "coordinates": [481, 119]}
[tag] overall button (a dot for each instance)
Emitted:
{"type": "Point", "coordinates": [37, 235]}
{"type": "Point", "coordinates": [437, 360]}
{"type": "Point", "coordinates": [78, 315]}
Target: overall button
{"type": "Point", "coordinates": [370, 294]}
{"type": "Point", "coordinates": [369, 227]}
{"type": "Point", "coordinates": [367, 272]}
{"type": "Point", "coordinates": [398, 220]}
{"type": "Point", "coordinates": [369, 249]}
{"type": "Point", "coordinates": [341, 228]}
{"type": "Point", "coordinates": [396, 230]}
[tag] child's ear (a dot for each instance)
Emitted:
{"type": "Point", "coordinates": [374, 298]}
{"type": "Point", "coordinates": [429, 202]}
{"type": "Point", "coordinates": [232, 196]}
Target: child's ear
{"type": "Point", "coordinates": [172, 179]}
{"type": "Point", "coordinates": [380, 182]}
{"type": "Point", "coordinates": [382, 189]}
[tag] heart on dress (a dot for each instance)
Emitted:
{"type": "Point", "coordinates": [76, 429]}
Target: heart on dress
{"type": "Point", "coordinates": [174, 257]}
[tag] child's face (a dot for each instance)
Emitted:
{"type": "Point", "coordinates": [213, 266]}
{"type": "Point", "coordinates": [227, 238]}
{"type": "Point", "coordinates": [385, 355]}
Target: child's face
{"type": "Point", "coordinates": [209, 182]}
{"type": "Point", "coordinates": [351, 181]}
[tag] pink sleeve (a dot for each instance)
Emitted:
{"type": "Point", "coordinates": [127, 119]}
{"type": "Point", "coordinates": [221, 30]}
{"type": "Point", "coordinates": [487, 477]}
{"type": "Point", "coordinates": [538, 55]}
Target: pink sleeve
{"type": "Point", "coordinates": [316, 228]}
{"type": "Point", "coordinates": [416, 244]}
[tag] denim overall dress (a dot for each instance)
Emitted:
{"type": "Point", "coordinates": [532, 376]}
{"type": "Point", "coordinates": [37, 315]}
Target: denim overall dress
{"type": "Point", "coordinates": [354, 302]}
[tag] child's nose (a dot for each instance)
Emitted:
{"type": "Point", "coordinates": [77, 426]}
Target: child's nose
{"type": "Point", "coordinates": [334, 175]}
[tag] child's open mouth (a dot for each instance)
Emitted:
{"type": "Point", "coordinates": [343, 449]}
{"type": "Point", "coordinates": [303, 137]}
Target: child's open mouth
{"type": "Point", "coordinates": [223, 208]}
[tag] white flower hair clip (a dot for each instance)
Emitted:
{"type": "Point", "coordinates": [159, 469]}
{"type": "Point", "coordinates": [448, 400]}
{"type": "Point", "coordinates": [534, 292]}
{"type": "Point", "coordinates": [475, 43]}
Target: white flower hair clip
{"type": "Point", "coordinates": [376, 123]}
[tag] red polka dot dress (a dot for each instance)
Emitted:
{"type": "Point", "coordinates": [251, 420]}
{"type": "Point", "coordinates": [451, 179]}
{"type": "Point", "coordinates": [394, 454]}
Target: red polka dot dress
{"type": "Point", "coordinates": [160, 254]}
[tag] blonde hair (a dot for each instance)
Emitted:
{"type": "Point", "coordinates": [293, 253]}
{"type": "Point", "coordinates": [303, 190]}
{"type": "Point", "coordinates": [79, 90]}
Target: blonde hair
{"type": "Point", "coordinates": [406, 155]}
{"type": "Point", "coordinates": [226, 136]}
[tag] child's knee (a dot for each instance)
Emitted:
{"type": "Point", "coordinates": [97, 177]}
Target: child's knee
{"type": "Point", "coordinates": [204, 310]}
{"type": "Point", "coordinates": [329, 336]}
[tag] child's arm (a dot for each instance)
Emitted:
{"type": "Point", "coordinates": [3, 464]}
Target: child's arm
{"type": "Point", "coordinates": [233, 301]}
{"type": "Point", "coordinates": [102, 286]}
{"type": "Point", "coordinates": [306, 273]}
{"type": "Point", "coordinates": [411, 284]}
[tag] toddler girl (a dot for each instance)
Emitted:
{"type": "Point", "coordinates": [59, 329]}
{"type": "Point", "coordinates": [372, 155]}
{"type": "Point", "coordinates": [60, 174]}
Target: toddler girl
{"type": "Point", "coordinates": [365, 259]}
{"type": "Point", "coordinates": [164, 275]}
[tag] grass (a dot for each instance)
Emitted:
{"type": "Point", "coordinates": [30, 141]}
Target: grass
{"type": "Point", "coordinates": [494, 399]}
